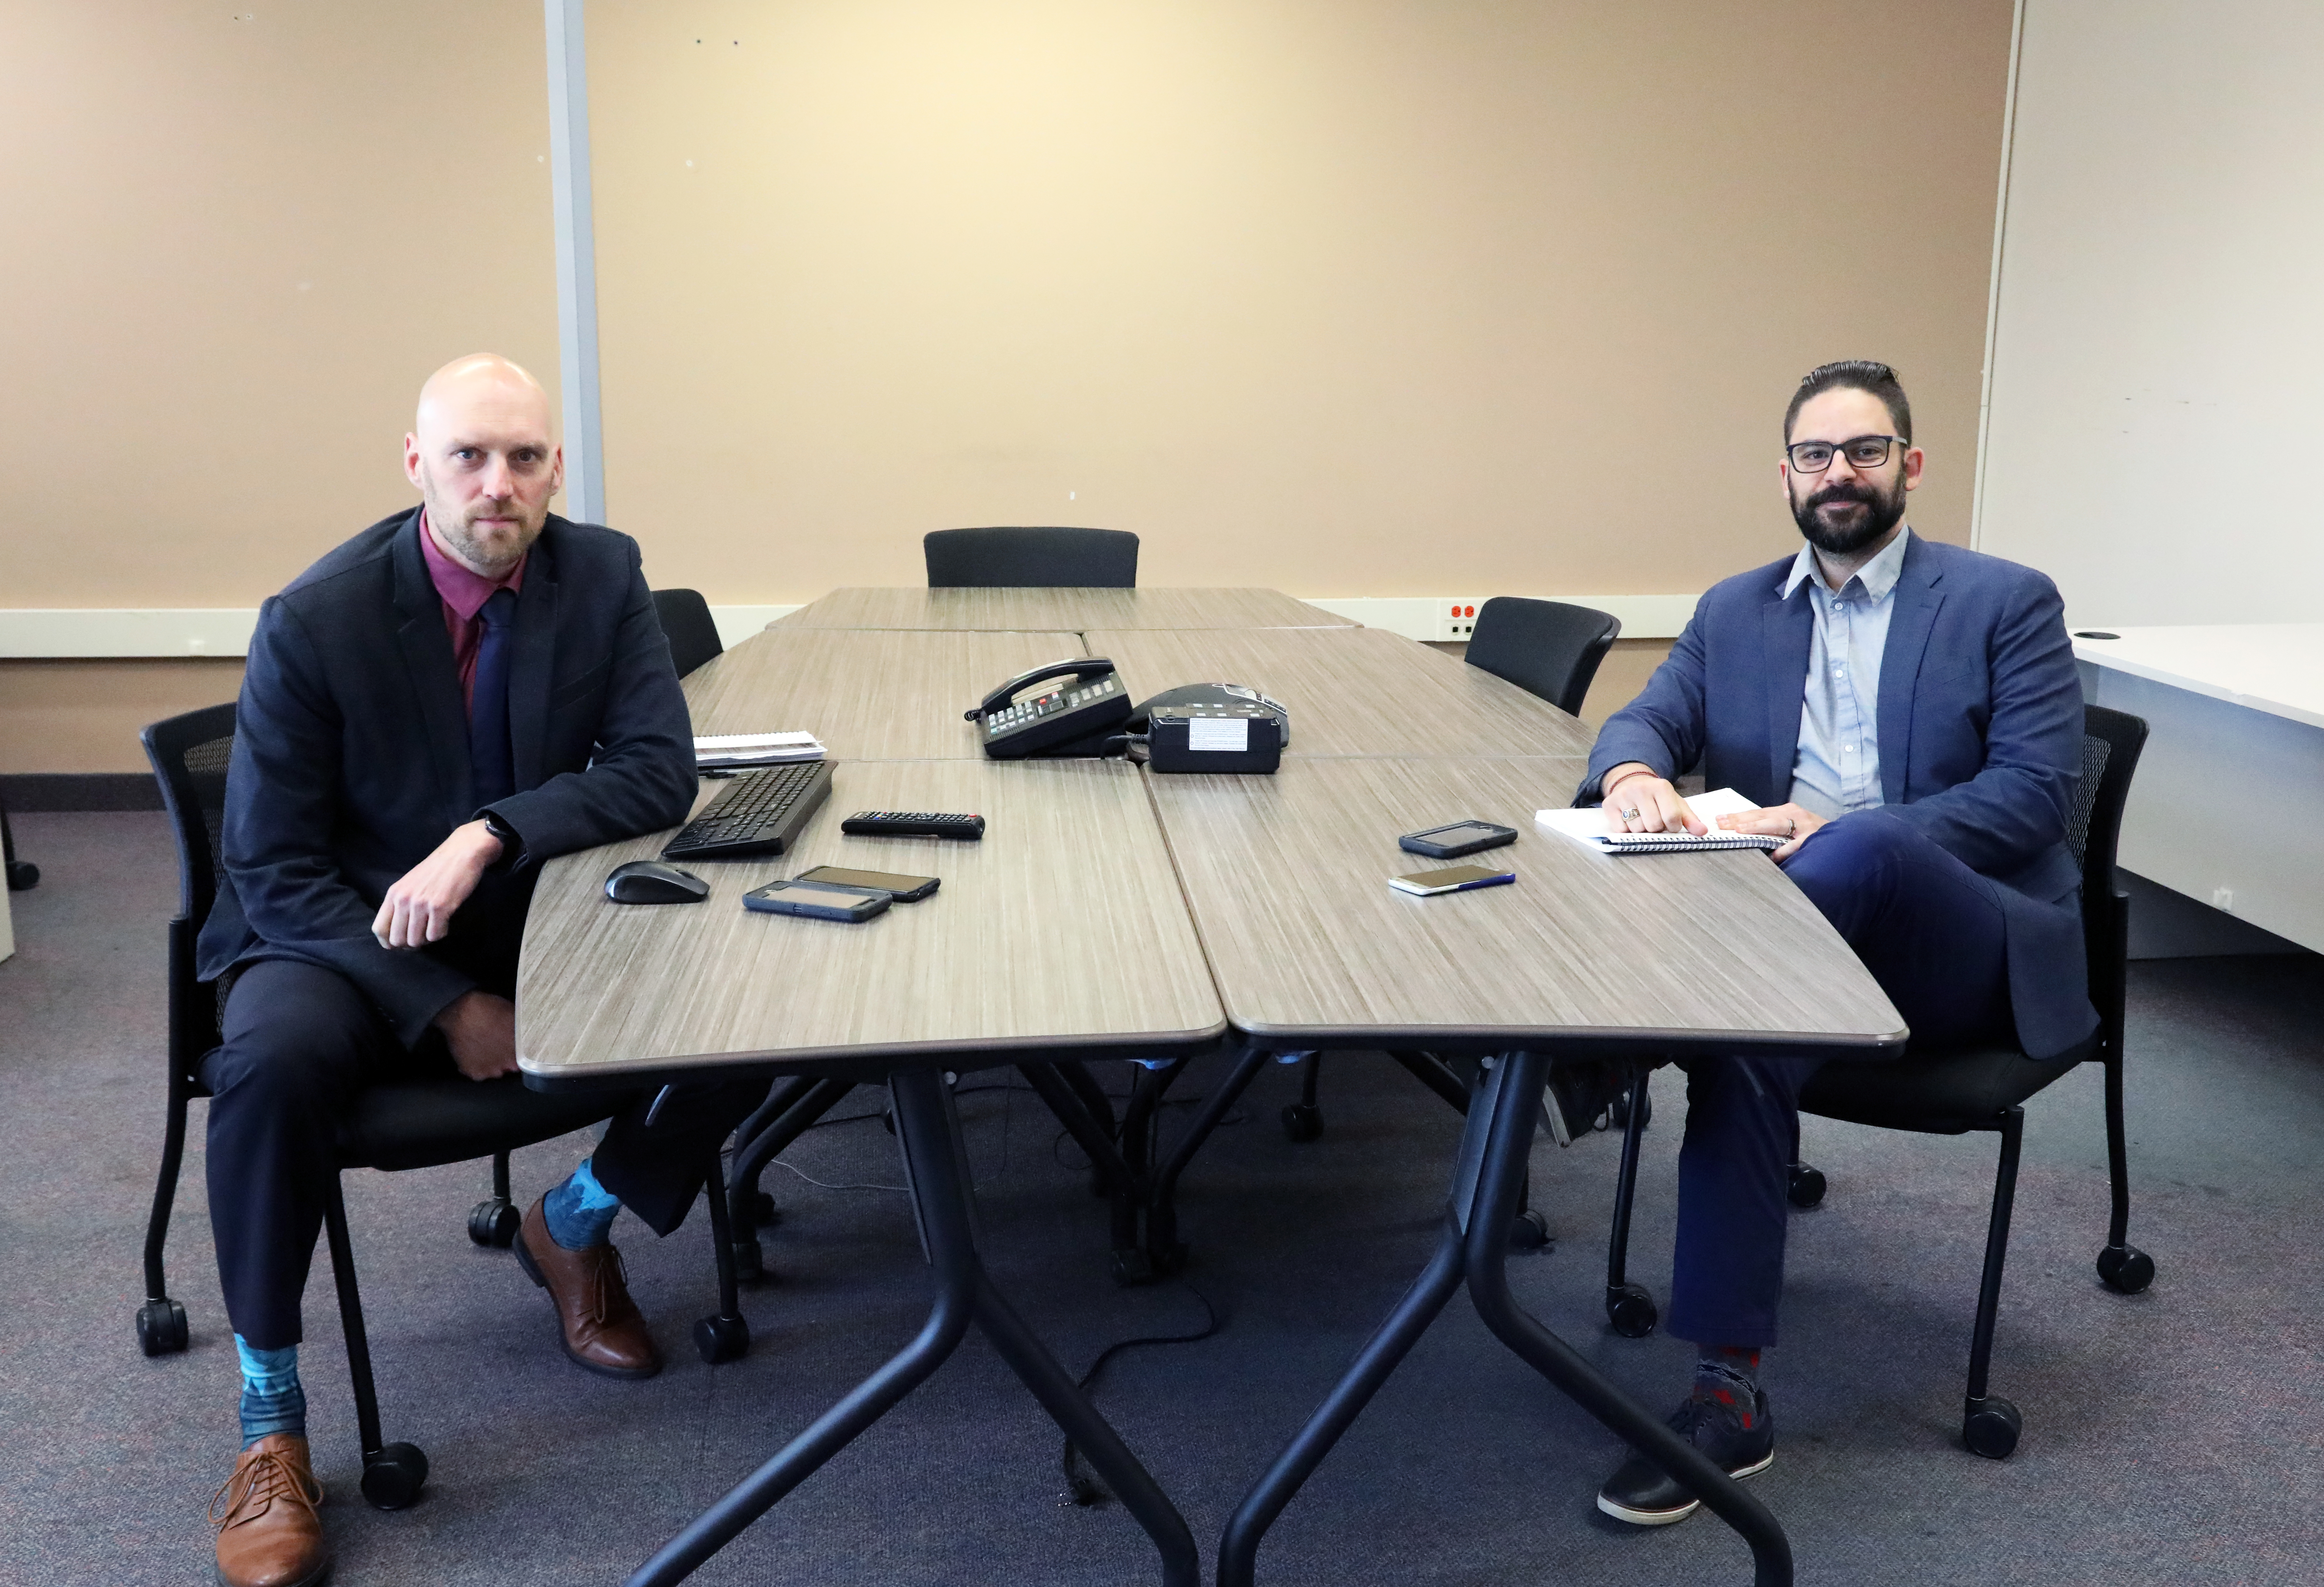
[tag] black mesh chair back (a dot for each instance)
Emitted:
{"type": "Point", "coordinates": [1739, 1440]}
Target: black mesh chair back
{"type": "Point", "coordinates": [189, 754]}
{"type": "Point", "coordinates": [1031, 558]}
{"type": "Point", "coordinates": [686, 623]}
{"type": "Point", "coordinates": [1546, 647]}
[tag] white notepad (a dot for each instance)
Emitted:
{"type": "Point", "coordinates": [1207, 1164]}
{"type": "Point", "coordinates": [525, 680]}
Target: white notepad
{"type": "Point", "coordinates": [756, 749]}
{"type": "Point", "coordinates": [1587, 826]}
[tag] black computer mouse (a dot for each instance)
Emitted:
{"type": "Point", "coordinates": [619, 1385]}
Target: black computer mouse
{"type": "Point", "coordinates": [650, 882]}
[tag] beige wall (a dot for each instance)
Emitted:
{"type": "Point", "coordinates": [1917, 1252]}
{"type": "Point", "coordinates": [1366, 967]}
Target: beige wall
{"type": "Point", "coordinates": [232, 250]}
{"type": "Point", "coordinates": [1349, 297]}
{"type": "Point", "coordinates": [85, 716]}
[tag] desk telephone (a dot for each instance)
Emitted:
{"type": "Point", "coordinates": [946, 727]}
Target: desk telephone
{"type": "Point", "coordinates": [1199, 728]}
{"type": "Point", "coordinates": [1094, 704]}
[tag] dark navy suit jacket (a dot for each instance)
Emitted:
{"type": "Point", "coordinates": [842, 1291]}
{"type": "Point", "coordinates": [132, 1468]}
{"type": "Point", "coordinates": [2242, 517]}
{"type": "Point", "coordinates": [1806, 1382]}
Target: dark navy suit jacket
{"type": "Point", "coordinates": [351, 757]}
{"type": "Point", "coordinates": [1980, 722]}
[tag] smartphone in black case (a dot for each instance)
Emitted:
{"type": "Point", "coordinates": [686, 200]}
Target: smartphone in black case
{"type": "Point", "coordinates": [906, 890]}
{"type": "Point", "coordinates": [818, 901]}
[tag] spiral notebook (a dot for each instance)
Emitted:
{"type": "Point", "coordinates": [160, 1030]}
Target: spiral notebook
{"type": "Point", "coordinates": [1587, 826]}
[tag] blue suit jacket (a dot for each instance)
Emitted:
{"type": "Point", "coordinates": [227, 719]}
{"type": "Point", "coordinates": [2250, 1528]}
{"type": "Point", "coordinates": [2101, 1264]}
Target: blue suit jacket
{"type": "Point", "coordinates": [1980, 732]}
{"type": "Point", "coordinates": [351, 757]}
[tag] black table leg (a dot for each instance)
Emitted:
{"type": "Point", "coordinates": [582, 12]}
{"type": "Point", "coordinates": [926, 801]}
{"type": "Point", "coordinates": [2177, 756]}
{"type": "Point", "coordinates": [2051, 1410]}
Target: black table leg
{"type": "Point", "coordinates": [1092, 1132]}
{"type": "Point", "coordinates": [937, 1170]}
{"type": "Point", "coordinates": [1511, 1092]}
{"type": "Point", "coordinates": [769, 1129]}
{"type": "Point", "coordinates": [1239, 1548]}
{"type": "Point", "coordinates": [1487, 1186]}
{"type": "Point", "coordinates": [1162, 1242]}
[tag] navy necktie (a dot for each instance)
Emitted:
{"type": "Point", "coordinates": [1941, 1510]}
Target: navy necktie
{"type": "Point", "coordinates": [489, 756]}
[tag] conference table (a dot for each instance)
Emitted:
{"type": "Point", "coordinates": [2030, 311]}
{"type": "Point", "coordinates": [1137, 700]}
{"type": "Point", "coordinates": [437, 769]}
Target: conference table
{"type": "Point", "coordinates": [1110, 912]}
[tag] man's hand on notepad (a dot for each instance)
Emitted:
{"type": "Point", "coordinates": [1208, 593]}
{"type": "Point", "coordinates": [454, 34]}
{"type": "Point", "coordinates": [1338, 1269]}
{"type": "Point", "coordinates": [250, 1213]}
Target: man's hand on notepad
{"type": "Point", "coordinates": [1785, 821]}
{"type": "Point", "coordinates": [1636, 800]}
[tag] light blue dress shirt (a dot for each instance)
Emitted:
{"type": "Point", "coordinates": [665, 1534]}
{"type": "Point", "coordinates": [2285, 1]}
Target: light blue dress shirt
{"type": "Point", "coordinates": [1837, 768]}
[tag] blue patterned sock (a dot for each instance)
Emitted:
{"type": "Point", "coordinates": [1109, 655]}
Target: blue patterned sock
{"type": "Point", "coordinates": [580, 1212]}
{"type": "Point", "coordinates": [271, 1400]}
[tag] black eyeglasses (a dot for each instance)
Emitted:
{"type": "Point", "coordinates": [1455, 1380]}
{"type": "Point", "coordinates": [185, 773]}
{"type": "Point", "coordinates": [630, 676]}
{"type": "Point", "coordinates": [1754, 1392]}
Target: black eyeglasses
{"type": "Point", "coordinates": [1861, 452]}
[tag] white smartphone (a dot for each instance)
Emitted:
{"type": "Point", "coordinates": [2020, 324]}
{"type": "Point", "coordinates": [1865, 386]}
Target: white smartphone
{"type": "Point", "coordinates": [1452, 879]}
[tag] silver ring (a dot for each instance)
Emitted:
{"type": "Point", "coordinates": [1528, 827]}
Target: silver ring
{"type": "Point", "coordinates": [1791, 826]}
{"type": "Point", "coordinates": [1629, 814]}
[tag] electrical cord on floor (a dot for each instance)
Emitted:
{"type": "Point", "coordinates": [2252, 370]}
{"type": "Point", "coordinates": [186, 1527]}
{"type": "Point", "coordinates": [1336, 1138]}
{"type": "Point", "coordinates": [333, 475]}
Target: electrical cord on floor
{"type": "Point", "coordinates": [1081, 1484]}
{"type": "Point", "coordinates": [826, 1184]}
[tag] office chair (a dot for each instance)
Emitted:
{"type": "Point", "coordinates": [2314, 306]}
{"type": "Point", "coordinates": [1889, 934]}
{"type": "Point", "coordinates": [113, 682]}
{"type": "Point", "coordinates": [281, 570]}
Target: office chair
{"type": "Point", "coordinates": [22, 875]}
{"type": "Point", "coordinates": [1546, 647]}
{"type": "Point", "coordinates": [1951, 1091]}
{"type": "Point", "coordinates": [404, 1124]}
{"type": "Point", "coordinates": [686, 623]}
{"type": "Point", "coordinates": [1024, 558]}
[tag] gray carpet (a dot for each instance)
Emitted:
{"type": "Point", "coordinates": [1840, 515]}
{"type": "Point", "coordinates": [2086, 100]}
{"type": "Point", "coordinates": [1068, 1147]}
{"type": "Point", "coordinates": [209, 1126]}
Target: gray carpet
{"type": "Point", "coordinates": [2172, 1437]}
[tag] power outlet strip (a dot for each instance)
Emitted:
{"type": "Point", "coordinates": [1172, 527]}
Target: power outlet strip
{"type": "Point", "coordinates": [1456, 619]}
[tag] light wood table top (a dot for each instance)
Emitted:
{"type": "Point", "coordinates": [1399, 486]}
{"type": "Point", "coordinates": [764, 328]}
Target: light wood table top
{"type": "Point", "coordinates": [1050, 610]}
{"type": "Point", "coordinates": [1062, 929]}
{"type": "Point", "coordinates": [868, 695]}
{"type": "Point", "coordinates": [1310, 946]}
{"type": "Point", "coordinates": [1353, 691]}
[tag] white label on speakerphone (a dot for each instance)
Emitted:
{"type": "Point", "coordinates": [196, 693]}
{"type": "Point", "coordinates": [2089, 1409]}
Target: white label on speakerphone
{"type": "Point", "coordinates": [1229, 735]}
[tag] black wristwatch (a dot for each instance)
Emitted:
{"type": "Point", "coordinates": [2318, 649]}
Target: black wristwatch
{"type": "Point", "coordinates": [512, 845]}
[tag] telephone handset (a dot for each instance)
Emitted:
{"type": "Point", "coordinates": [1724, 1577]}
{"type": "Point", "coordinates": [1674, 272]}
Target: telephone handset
{"type": "Point", "coordinates": [1013, 728]}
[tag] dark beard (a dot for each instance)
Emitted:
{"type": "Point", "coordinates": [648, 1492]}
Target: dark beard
{"type": "Point", "coordinates": [1882, 512]}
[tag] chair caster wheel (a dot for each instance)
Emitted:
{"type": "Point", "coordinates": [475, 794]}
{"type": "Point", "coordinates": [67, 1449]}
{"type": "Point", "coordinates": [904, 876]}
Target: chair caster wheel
{"type": "Point", "coordinates": [493, 1223]}
{"type": "Point", "coordinates": [1302, 1123]}
{"type": "Point", "coordinates": [722, 1339]}
{"type": "Point", "coordinates": [1631, 1310]}
{"type": "Point", "coordinates": [1132, 1267]}
{"type": "Point", "coordinates": [1807, 1187]}
{"type": "Point", "coordinates": [161, 1327]}
{"type": "Point", "coordinates": [24, 876]}
{"type": "Point", "coordinates": [750, 1262]}
{"type": "Point", "coordinates": [1529, 1231]}
{"type": "Point", "coordinates": [2125, 1268]}
{"type": "Point", "coordinates": [763, 1211]}
{"type": "Point", "coordinates": [393, 1477]}
{"type": "Point", "coordinates": [1990, 1427]}
{"type": "Point", "coordinates": [1618, 1117]}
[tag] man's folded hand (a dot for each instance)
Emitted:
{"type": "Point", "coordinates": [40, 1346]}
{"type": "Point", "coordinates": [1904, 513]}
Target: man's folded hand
{"type": "Point", "coordinates": [419, 909]}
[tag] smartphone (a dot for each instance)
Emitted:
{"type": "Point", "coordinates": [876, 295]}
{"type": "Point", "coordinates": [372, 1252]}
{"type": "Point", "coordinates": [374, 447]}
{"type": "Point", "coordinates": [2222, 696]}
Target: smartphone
{"type": "Point", "coordinates": [818, 902]}
{"type": "Point", "coordinates": [907, 890]}
{"type": "Point", "coordinates": [1461, 837]}
{"type": "Point", "coordinates": [1452, 879]}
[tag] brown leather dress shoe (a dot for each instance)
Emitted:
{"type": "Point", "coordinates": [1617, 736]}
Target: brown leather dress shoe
{"type": "Point", "coordinates": [269, 1535]}
{"type": "Point", "coordinates": [603, 1328]}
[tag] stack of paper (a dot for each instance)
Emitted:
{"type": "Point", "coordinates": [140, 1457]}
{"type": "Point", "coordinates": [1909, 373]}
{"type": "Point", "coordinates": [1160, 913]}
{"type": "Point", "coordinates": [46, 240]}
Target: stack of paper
{"type": "Point", "coordinates": [1587, 826]}
{"type": "Point", "coordinates": [755, 749]}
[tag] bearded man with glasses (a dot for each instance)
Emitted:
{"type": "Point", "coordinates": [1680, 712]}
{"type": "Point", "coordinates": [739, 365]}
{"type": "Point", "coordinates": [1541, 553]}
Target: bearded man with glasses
{"type": "Point", "coordinates": [1910, 715]}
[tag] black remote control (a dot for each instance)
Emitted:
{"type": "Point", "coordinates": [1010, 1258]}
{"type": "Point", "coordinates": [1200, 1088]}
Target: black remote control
{"type": "Point", "coordinates": [913, 823]}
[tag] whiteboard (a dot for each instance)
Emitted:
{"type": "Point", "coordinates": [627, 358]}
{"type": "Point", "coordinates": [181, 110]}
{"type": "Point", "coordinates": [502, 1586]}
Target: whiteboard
{"type": "Point", "coordinates": [2154, 438]}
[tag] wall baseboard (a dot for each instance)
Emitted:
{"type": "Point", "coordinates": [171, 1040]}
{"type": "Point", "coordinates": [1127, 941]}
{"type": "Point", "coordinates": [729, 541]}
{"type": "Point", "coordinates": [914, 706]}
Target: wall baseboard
{"type": "Point", "coordinates": [101, 634]}
{"type": "Point", "coordinates": [24, 791]}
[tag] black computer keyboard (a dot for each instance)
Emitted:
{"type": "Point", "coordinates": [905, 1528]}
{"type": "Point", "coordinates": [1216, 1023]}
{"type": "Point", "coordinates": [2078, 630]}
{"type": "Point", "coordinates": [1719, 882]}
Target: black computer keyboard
{"type": "Point", "coordinates": [758, 813]}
